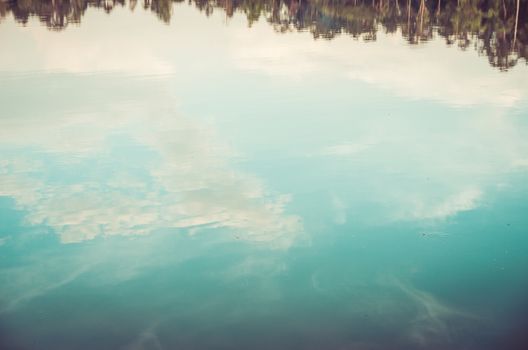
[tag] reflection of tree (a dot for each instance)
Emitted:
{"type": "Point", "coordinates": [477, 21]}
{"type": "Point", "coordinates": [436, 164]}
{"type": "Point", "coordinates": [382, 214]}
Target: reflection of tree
{"type": "Point", "coordinates": [496, 28]}
{"type": "Point", "coordinates": [56, 14]}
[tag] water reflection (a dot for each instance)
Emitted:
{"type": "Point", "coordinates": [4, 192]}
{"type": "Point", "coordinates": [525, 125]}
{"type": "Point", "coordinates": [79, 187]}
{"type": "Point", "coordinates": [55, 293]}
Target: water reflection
{"type": "Point", "coordinates": [497, 29]}
{"type": "Point", "coordinates": [211, 186]}
{"type": "Point", "coordinates": [161, 171]}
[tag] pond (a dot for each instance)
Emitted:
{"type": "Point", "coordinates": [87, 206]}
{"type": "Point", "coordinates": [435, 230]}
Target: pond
{"type": "Point", "coordinates": [263, 174]}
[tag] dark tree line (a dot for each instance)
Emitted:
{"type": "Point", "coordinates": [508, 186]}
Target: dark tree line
{"type": "Point", "coordinates": [498, 29]}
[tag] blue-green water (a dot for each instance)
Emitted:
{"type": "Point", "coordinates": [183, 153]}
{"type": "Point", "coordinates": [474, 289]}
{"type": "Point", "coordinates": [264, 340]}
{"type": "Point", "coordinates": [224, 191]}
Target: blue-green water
{"type": "Point", "coordinates": [205, 185]}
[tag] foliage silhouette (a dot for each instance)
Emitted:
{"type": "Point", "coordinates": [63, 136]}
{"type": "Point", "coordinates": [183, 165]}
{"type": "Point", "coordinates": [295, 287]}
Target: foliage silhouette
{"type": "Point", "coordinates": [497, 29]}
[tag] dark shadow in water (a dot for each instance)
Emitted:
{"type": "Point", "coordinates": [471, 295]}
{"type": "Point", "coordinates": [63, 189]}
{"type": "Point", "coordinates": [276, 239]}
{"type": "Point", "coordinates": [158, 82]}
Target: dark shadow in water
{"type": "Point", "coordinates": [495, 28]}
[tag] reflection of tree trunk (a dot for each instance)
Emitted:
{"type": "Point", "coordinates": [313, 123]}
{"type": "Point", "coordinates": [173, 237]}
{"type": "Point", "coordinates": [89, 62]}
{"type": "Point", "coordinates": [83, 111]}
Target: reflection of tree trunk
{"type": "Point", "coordinates": [516, 24]}
{"type": "Point", "coordinates": [421, 12]}
{"type": "Point", "coordinates": [438, 7]}
{"type": "Point", "coordinates": [398, 6]}
{"type": "Point", "coordinates": [505, 13]}
{"type": "Point", "coordinates": [409, 17]}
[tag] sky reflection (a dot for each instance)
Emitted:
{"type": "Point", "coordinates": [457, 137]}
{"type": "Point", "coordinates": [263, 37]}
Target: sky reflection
{"type": "Point", "coordinates": [144, 165]}
{"type": "Point", "coordinates": [208, 185]}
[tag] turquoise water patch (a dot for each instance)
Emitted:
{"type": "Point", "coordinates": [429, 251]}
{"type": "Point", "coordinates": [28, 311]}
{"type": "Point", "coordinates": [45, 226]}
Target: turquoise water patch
{"type": "Point", "coordinates": [205, 185]}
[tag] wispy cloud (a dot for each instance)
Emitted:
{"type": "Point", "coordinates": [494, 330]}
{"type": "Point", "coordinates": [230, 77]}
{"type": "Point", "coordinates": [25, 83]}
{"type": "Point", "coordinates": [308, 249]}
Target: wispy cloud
{"type": "Point", "coordinates": [465, 200]}
{"type": "Point", "coordinates": [37, 289]}
{"type": "Point", "coordinates": [147, 339]}
{"type": "Point", "coordinates": [344, 149]}
{"type": "Point", "coordinates": [434, 320]}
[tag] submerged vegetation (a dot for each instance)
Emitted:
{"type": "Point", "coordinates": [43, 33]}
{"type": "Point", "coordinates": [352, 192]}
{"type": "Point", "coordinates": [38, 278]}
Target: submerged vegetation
{"type": "Point", "coordinates": [498, 29]}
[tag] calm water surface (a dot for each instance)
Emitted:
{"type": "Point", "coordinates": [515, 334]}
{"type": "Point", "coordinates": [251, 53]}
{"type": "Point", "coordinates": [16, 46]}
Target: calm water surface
{"type": "Point", "coordinates": [174, 178]}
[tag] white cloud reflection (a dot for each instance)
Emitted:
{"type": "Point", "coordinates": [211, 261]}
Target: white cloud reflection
{"type": "Point", "coordinates": [465, 200]}
{"type": "Point", "coordinates": [190, 182]}
{"type": "Point", "coordinates": [186, 182]}
{"type": "Point", "coordinates": [417, 168]}
{"type": "Point", "coordinates": [431, 71]}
